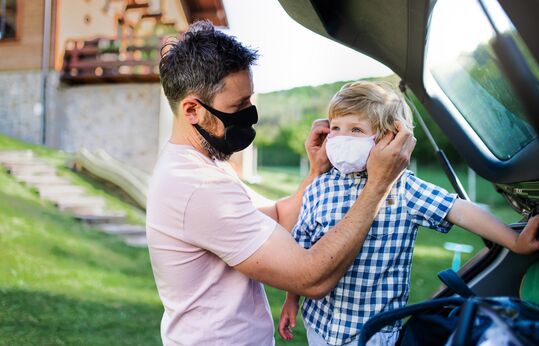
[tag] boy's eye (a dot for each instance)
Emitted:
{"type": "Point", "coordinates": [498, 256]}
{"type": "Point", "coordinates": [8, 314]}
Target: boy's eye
{"type": "Point", "coordinates": [335, 128]}
{"type": "Point", "coordinates": [356, 129]}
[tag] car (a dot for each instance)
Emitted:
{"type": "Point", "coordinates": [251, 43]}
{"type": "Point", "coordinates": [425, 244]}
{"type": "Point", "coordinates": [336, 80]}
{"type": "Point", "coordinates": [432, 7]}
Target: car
{"type": "Point", "coordinates": [473, 66]}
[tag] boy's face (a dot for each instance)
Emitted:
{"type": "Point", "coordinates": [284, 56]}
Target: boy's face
{"type": "Point", "coordinates": [350, 125]}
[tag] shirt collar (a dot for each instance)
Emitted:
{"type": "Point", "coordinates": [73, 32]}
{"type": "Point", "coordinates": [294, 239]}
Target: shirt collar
{"type": "Point", "coordinates": [356, 175]}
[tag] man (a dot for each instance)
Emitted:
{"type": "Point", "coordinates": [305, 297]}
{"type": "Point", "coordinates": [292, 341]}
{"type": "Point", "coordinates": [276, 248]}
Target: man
{"type": "Point", "coordinates": [211, 248]}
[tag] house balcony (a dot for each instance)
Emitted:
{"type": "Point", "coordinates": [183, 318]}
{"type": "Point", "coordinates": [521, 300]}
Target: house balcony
{"type": "Point", "coordinates": [108, 60]}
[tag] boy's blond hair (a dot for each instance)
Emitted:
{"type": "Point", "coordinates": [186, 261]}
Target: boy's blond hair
{"type": "Point", "coordinates": [376, 101]}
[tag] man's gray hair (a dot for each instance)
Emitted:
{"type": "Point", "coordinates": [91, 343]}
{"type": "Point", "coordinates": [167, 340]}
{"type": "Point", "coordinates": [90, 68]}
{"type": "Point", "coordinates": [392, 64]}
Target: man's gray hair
{"type": "Point", "coordinates": [198, 62]}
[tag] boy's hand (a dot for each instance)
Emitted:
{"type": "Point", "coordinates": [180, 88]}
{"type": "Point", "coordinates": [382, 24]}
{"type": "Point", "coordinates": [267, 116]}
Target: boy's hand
{"type": "Point", "coordinates": [288, 318]}
{"type": "Point", "coordinates": [527, 241]}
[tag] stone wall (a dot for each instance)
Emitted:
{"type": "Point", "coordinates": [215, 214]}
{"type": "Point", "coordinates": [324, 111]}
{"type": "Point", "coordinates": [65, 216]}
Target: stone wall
{"type": "Point", "coordinates": [122, 119]}
{"type": "Point", "coordinates": [19, 94]}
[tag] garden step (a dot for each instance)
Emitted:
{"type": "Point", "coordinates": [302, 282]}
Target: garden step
{"type": "Point", "coordinates": [7, 155]}
{"type": "Point", "coordinates": [54, 192]}
{"type": "Point", "coordinates": [40, 180]}
{"type": "Point", "coordinates": [69, 198]}
{"type": "Point", "coordinates": [81, 204]}
{"type": "Point", "coordinates": [23, 162]}
{"type": "Point", "coordinates": [45, 184]}
{"type": "Point", "coordinates": [23, 176]}
{"type": "Point", "coordinates": [13, 160]}
{"type": "Point", "coordinates": [83, 199]}
{"type": "Point", "coordinates": [36, 168]}
{"type": "Point", "coordinates": [58, 197]}
{"type": "Point", "coordinates": [100, 218]}
{"type": "Point", "coordinates": [82, 209]}
{"type": "Point", "coordinates": [123, 229]}
{"type": "Point", "coordinates": [135, 240]}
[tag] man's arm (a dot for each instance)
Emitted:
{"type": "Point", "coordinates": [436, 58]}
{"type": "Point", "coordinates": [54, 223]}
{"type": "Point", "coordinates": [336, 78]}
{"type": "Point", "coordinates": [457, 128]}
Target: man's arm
{"type": "Point", "coordinates": [285, 211]}
{"type": "Point", "coordinates": [477, 220]}
{"type": "Point", "coordinates": [282, 263]}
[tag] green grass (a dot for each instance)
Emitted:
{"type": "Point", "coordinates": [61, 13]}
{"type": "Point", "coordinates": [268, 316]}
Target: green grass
{"type": "Point", "coordinates": [64, 283]}
{"type": "Point", "coordinates": [429, 255]}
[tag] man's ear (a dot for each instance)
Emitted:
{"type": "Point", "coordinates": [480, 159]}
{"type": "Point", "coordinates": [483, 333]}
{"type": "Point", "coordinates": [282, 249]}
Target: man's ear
{"type": "Point", "coordinates": [188, 108]}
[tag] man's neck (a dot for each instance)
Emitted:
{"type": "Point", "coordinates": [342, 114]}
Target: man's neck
{"type": "Point", "coordinates": [184, 135]}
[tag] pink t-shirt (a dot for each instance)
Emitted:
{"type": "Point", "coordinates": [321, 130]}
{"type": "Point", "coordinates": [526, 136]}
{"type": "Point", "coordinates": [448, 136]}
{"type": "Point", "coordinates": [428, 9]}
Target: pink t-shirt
{"type": "Point", "coordinates": [200, 223]}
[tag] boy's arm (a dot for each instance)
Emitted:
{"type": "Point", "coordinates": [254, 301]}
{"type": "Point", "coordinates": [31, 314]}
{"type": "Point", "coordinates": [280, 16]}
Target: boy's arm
{"type": "Point", "coordinates": [288, 318]}
{"type": "Point", "coordinates": [477, 220]}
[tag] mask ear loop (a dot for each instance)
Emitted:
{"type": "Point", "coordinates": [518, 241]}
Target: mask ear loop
{"type": "Point", "coordinates": [245, 117]}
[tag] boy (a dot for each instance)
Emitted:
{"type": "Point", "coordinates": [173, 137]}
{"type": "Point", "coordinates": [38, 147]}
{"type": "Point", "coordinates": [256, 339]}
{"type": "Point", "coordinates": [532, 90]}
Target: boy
{"type": "Point", "coordinates": [378, 280]}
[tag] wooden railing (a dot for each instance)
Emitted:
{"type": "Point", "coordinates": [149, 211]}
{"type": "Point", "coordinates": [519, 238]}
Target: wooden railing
{"type": "Point", "coordinates": [105, 60]}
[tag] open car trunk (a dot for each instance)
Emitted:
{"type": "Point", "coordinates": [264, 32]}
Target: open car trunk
{"type": "Point", "coordinates": [497, 138]}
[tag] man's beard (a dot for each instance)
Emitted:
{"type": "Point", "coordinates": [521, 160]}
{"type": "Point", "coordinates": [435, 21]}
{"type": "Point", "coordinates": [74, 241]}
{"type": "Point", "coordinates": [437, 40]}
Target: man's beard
{"type": "Point", "coordinates": [214, 153]}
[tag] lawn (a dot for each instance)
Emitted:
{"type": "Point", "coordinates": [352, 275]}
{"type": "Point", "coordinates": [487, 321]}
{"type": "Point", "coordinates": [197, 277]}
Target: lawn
{"type": "Point", "coordinates": [429, 255]}
{"type": "Point", "coordinates": [64, 283]}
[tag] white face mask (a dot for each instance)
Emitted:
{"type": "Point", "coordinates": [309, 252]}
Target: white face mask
{"type": "Point", "coordinates": [349, 154]}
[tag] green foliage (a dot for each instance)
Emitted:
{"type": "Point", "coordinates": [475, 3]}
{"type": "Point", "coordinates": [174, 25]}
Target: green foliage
{"type": "Point", "coordinates": [286, 118]}
{"type": "Point", "coordinates": [296, 134]}
{"type": "Point", "coordinates": [277, 156]}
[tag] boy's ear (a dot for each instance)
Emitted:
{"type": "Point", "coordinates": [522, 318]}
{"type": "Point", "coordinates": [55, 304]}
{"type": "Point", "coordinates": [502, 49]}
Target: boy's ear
{"type": "Point", "coordinates": [188, 108]}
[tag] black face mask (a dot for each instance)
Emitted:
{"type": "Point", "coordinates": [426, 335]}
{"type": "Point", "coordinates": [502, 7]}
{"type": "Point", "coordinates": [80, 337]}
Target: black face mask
{"type": "Point", "coordinates": [239, 131]}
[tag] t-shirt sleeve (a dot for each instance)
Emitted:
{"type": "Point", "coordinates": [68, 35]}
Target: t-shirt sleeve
{"type": "Point", "coordinates": [428, 204]}
{"type": "Point", "coordinates": [303, 230]}
{"type": "Point", "coordinates": [222, 219]}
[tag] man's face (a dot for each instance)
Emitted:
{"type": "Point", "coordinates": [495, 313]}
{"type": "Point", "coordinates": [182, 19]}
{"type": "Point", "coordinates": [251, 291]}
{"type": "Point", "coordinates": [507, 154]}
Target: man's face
{"type": "Point", "coordinates": [235, 96]}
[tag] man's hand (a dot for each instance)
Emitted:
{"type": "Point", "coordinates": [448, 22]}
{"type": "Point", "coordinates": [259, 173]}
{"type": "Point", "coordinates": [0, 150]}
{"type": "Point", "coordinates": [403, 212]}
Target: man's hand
{"type": "Point", "coordinates": [527, 242]}
{"type": "Point", "coordinates": [315, 145]}
{"type": "Point", "coordinates": [390, 156]}
{"type": "Point", "coordinates": [287, 321]}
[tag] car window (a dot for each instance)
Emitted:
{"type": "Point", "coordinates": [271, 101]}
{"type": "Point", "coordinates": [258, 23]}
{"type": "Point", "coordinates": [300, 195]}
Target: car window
{"type": "Point", "coordinates": [461, 60]}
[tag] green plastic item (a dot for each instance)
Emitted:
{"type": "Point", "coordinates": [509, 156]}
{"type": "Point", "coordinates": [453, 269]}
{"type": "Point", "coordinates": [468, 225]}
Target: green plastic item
{"type": "Point", "coordinates": [529, 289]}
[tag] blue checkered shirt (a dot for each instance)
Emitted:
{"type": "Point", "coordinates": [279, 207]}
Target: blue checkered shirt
{"type": "Point", "coordinates": [378, 280]}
